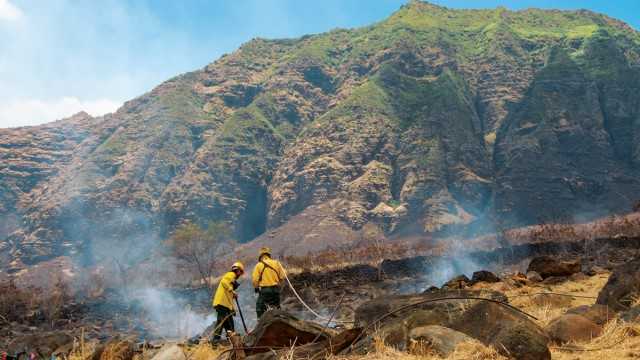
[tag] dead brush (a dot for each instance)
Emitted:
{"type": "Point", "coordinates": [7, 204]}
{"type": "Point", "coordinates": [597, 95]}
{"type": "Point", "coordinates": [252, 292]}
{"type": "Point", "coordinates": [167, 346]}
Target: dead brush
{"type": "Point", "coordinates": [340, 257]}
{"type": "Point", "coordinates": [33, 305]}
{"type": "Point", "coordinates": [52, 308]}
{"type": "Point", "coordinates": [614, 226]}
{"type": "Point", "coordinates": [117, 351]}
{"type": "Point", "coordinates": [608, 227]}
{"type": "Point", "coordinates": [14, 302]}
{"type": "Point", "coordinates": [547, 232]}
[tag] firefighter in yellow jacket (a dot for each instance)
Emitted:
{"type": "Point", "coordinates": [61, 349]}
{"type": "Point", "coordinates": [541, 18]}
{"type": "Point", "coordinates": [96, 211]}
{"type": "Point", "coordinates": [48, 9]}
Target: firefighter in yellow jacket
{"type": "Point", "coordinates": [224, 298]}
{"type": "Point", "coordinates": [268, 276]}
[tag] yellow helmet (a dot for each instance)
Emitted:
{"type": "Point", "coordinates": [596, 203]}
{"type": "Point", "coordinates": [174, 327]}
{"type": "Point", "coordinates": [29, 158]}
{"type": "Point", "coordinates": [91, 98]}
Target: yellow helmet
{"type": "Point", "coordinates": [237, 265]}
{"type": "Point", "coordinates": [265, 251]}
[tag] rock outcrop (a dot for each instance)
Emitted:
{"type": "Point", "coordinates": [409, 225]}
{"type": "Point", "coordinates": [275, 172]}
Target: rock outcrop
{"type": "Point", "coordinates": [623, 287]}
{"type": "Point", "coordinates": [548, 266]}
{"type": "Point", "coordinates": [412, 125]}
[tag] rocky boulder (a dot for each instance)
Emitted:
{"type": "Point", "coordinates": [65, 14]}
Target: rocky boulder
{"type": "Point", "coordinates": [372, 310]}
{"type": "Point", "coordinates": [572, 327]}
{"type": "Point", "coordinates": [548, 266]}
{"type": "Point", "coordinates": [484, 276]}
{"type": "Point", "coordinates": [599, 314]}
{"type": "Point", "coordinates": [533, 276]}
{"type": "Point", "coordinates": [507, 330]}
{"type": "Point", "coordinates": [435, 339]}
{"type": "Point", "coordinates": [277, 328]}
{"type": "Point", "coordinates": [622, 288]}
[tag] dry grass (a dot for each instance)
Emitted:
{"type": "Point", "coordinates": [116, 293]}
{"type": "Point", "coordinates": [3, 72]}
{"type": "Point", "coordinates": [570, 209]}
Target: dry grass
{"type": "Point", "coordinates": [204, 352]}
{"type": "Point", "coordinates": [548, 307]}
{"type": "Point", "coordinates": [464, 351]}
{"type": "Point", "coordinates": [84, 351]}
{"type": "Point", "coordinates": [618, 341]}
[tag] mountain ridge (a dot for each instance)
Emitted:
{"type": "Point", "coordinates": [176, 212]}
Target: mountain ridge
{"type": "Point", "coordinates": [433, 119]}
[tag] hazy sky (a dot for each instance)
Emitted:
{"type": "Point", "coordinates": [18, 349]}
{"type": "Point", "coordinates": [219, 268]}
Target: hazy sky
{"type": "Point", "coordinates": [58, 57]}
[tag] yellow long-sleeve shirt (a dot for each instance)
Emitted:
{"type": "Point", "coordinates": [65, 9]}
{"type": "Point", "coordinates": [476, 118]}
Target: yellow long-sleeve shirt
{"type": "Point", "coordinates": [271, 274]}
{"type": "Point", "coordinates": [224, 293]}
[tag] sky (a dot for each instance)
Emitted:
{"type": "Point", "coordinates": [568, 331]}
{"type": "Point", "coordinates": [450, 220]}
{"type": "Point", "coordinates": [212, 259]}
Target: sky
{"type": "Point", "coordinates": [59, 57]}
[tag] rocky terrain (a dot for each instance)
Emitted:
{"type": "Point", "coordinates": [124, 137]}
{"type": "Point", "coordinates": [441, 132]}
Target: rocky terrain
{"type": "Point", "coordinates": [578, 301]}
{"type": "Point", "coordinates": [429, 122]}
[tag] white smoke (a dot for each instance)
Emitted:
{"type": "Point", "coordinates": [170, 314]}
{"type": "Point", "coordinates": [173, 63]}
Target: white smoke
{"type": "Point", "coordinates": [169, 316]}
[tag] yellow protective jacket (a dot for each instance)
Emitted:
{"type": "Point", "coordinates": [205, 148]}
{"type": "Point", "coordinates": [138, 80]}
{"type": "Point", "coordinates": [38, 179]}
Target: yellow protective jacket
{"type": "Point", "coordinates": [224, 293]}
{"type": "Point", "coordinates": [268, 272]}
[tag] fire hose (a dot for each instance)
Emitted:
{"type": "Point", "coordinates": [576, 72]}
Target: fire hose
{"type": "Point", "coordinates": [308, 307]}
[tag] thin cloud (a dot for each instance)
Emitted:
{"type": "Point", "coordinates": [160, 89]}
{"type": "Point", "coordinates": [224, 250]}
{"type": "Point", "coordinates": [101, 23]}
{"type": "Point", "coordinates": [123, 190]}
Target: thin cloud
{"type": "Point", "coordinates": [9, 12]}
{"type": "Point", "coordinates": [27, 112]}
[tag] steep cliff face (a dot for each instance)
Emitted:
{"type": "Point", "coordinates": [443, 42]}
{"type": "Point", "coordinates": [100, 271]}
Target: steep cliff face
{"type": "Point", "coordinates": [30, 157]}
{"type": "Point", "coordinates": [430, 120]}
{"type": "Point", "coordinates": [567, 150]}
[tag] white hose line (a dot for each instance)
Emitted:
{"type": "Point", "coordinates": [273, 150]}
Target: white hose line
{"type": "Point", "coordinates": [308, 307]}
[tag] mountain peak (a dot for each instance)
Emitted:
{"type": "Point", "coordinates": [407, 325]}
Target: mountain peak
{"type": "Point", "coordinates": [434, 121]}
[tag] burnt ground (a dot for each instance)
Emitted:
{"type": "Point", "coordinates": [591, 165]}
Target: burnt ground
{"type": "Point", "coordinates": [126, 315]}
{"type": "Point", "coordinates": [412, 275]}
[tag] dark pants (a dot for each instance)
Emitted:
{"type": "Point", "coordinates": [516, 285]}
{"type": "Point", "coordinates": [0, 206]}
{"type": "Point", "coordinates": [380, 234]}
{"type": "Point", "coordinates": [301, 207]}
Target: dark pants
{"type": "Point", "coordinates": [267, 297]}
{"type": "Point", "coordinates": [224, 321]}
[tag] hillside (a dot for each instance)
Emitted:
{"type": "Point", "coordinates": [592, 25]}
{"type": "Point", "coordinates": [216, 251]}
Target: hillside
{"type": "Point", "coordinates": [431, 121]}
